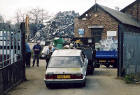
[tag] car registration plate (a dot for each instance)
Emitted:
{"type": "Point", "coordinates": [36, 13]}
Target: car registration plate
{"type": "Point", "coordinates": [63, 76]}
{"type": "Point", "coordinates": [102, 60]}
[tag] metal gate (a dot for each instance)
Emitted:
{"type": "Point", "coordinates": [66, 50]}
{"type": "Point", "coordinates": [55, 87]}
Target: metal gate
{"type": "Point", "coordinates": [12, 70]}
{"type": "Point", "coordinates": [129, 50]}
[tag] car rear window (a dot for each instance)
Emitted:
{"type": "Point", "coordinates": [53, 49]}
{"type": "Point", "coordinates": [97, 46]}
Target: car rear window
{"type": "Point", "coordinates": [65, 62]}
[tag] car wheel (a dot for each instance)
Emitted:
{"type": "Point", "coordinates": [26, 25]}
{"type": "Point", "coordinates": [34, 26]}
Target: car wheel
{"type": "Point", "coordinates": [114, 66]}
{"type": "Point", "coordinates": [83, 84]}
{"type": "Point", "coordinates": [48, 86]}
{"type": "Point", "coordinates": [107, 65]}
{"type": "Point", "coordinates": [93, 70]}
{"type": "Point", "coordinates": [98, 66]}
{"type": "Point", "coordinates": [89, 72]}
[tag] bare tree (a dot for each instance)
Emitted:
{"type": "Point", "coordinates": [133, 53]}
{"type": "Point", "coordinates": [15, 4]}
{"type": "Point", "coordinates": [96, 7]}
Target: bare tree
{"type": "Point", "coordinates": [38, 15]}
{"type": "Point", "coordinates": [1, 19]}
{"type": "Point", "coordinates": [35, 14]}
{"type": "Point", "coordinates": [20, 16]}
{"type": "Point", "coordinates": [44, 15]}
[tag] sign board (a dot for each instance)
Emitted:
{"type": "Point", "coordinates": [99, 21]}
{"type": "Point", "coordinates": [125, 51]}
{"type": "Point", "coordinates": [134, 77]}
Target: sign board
{"type": "Point", "coordinates": [111, 33]}
{"type": "Point", "coordinates": [81, 35]}
{"type": "Point", "coordinates": [81, 31]}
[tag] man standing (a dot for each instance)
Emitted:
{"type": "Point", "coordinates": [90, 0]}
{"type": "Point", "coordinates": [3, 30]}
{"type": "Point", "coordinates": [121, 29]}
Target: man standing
{"type": "Point", "coordinates": [28, 55]}
{"type": "Point", "coordinates": [50, 50]}
{"type": "Point", "coordinates": [36, 49]}
{"type": "Point", "coordinates": [48, 54]}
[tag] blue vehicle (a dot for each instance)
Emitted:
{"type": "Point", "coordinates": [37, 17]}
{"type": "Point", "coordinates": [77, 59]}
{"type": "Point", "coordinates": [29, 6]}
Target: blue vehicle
{"type": "Point", "coordinates": [106, 58]}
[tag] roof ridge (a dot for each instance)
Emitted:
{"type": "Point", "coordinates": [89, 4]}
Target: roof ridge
{"type": "Point", "coordinates": [118, 15]}
{"type": "Point", "coordinates": [115, 10]}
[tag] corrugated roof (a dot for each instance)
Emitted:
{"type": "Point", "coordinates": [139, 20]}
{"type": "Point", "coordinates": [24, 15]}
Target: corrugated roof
{"type": "Point", "coordinates": [120, 16]}
{"type": "Point", "coordinates": [67, 52]}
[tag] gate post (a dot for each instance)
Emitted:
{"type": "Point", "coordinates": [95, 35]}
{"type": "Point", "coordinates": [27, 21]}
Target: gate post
{"type": "Point", "coordinates": [118, 62]}
{"type": "Point", "coordinates": [22, 28]}
{"type": "Point", "coordinates": [120, 51]}
{"type": "Point", "coordinates": [1, 82]}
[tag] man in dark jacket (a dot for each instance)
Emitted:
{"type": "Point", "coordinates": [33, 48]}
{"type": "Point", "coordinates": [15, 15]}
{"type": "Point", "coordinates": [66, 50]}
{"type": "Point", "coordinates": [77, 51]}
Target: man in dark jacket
{"type": "Point", "coordinates": [36, 49]}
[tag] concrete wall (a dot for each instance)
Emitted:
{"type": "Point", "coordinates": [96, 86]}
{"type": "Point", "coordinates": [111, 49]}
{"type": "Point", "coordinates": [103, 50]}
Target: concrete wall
{"type": "Point", "coordinates": [98, 18]}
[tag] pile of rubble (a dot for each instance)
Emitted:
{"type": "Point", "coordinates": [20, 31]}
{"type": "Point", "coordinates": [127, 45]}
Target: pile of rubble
{"type": "Point", "coordinates": [107, 45]}
{"type": "Point", "coordinates": [62, 24]}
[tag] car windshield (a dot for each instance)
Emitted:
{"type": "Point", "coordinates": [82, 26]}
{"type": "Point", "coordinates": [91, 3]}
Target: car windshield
{"type": "Point", "coordinates": [65, 62]}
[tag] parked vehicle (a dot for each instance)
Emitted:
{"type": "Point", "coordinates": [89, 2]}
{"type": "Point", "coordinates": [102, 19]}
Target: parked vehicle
{"type": "Point", "coordinates": [66, 66]}
{"type": "Point", "coordinates": [106, 58]}
{"type": "Point", "coordinates": [88, 52]}
{"type": "Point", "coordinates": [106, 53]}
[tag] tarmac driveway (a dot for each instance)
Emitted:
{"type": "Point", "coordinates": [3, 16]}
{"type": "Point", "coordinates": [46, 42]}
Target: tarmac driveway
{"type": "Point", "coordinates": [103, 82]}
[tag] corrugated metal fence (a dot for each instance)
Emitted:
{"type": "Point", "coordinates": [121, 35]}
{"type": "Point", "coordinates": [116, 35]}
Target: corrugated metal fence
{"type": "Point", "coordinates": [129, 50]}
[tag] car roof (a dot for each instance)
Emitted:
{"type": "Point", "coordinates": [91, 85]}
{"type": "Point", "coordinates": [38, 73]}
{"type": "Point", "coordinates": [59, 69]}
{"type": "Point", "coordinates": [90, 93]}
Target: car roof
{"type": "Point", "coordinates": [67, 52]}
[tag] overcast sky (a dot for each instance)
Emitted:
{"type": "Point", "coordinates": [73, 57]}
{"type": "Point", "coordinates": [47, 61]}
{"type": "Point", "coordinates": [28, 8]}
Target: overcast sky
{"type": "Point", "coordinates": [9, 7]}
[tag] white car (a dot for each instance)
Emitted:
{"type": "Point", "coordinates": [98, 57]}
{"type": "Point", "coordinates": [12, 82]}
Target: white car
{"type": "Point", "coordinates": [66, 66]}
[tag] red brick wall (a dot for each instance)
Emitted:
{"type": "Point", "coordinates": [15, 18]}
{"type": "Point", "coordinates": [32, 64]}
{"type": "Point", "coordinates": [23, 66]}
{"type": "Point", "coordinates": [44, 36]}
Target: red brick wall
{"type": "Point", "coordinates": [100, 18]}
{"type": "Point", "coordinates": [133, 10]}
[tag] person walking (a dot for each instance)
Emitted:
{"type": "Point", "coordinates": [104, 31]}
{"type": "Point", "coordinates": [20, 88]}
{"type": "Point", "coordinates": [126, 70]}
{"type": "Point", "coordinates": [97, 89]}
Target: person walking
{"type": "Point", "coordinates": [27, 55]}
{"type": "Point", "coordinates": [36, 50]}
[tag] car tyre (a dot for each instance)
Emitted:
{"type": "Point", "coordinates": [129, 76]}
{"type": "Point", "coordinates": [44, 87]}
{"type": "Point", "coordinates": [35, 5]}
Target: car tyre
{"type": "Point", "coordinates": [107, 65]}
{"type": "Point", "coordinates": [48, 86]}
{"type": "Point", "coordinates": [93, 70]}
{"type": "Point", "coordinates": [115, 65]}
{"type": "Point", "coordinates": [98, 66]}
{"type": "Point", "coordinates": [83, 84]}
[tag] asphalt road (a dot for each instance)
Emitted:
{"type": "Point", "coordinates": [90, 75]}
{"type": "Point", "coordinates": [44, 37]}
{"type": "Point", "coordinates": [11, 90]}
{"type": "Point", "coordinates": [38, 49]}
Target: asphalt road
{"type": "Point", "coordinates": [103, 82]}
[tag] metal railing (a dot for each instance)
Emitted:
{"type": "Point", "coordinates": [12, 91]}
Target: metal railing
{"type": "Point", "coordinates": [10, 43]}
{"type": "Point", "coordinates": [12, 70]}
